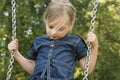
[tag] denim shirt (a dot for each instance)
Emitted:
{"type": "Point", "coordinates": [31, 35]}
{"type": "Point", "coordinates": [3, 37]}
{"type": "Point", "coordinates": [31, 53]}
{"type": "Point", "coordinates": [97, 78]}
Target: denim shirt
{"type": "Point", "coordinates": [55, 59]}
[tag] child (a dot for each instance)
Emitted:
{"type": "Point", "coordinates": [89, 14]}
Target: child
{"type": "Point", "coordinates": [53, 56]}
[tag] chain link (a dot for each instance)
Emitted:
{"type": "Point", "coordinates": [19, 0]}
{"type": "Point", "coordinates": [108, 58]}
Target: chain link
{"type": "Point", "coordinates": [10, 67]}
{"type": "Point", "coordinates": [89, 44]}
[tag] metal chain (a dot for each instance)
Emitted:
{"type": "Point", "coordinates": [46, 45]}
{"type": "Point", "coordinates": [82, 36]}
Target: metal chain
{"type": "Point", "coordinates": [10, 67]}
{"type": "Point", "coordinates": [89, 44]}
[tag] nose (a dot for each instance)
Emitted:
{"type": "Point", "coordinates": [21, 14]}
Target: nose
{"type": "Point", "coordinates": [53, 32]}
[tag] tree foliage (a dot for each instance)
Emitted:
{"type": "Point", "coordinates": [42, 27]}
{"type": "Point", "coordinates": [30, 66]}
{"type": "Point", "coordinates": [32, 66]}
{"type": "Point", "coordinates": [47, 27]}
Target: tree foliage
{"type": "Point", "coordinates": [30, 24]}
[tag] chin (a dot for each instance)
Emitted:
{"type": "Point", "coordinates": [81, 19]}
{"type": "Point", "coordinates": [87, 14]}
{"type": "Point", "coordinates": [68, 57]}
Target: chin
{"type": "Point", "coordinates": [54, 38]}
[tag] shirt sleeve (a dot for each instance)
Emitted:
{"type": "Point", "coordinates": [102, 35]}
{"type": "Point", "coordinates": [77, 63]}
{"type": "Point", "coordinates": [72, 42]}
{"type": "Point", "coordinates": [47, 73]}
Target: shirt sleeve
{"type": "Point", "coordinates": [32, 53]}
{"type": "Point", "coordinates": [81, 49]}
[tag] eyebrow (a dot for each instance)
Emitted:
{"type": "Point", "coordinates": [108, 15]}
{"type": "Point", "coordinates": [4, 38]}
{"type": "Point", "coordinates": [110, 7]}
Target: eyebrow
{"type": "Point", "coordinates": [61, 27]}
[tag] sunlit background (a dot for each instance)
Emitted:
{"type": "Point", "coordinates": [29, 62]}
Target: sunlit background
{"type": "Point", "coordinates": [30, 24]}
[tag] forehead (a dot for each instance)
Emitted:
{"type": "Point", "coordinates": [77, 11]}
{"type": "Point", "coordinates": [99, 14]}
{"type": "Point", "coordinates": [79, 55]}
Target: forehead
{"type": "Point", "coordinates": [60, 21]}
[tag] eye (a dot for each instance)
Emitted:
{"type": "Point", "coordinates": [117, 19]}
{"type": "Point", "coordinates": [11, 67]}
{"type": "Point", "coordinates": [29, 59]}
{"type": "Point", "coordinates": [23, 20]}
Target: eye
{"type": "Point", "coordinates": [51, 27]}
{"type": "Point", "coordinates": [62, 28]}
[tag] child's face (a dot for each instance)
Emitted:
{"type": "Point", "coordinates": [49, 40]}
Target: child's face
{"type": "Point", "coordinates": [58, 28]}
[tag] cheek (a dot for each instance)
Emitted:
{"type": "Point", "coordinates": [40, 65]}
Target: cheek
{"type": "Point", "coordinates": [62, 34]}
{"type": "Point", "coordinates": [47, 31]}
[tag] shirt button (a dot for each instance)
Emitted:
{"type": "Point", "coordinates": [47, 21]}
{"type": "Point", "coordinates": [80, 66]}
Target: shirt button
{"type": "Point", "coordinates": [52, 45]}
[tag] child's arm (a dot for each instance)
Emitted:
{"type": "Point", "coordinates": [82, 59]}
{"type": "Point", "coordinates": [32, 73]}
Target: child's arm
{"type": "Point", "coordinates": [28, 65]}
{"type": "Point", "coordinates": [91, 37]}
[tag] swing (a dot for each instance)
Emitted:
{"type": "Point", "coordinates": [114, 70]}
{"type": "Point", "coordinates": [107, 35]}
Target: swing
{"type": "Point", "coordinates": [10, 67]}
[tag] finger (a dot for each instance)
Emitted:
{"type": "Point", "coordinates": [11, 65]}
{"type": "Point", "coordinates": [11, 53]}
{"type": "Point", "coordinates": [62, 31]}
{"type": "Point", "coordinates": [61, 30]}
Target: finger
{"type": "Point", "coordinates": [91, 35]}
{"type": "Point", "coordinates": [90, 32]}
{"type": "Point", "coordinates": [12, 45]}
{"type": "Point", "coordinates": [90, 39]}
{"type": "Point", "coordinates": [14, 42]}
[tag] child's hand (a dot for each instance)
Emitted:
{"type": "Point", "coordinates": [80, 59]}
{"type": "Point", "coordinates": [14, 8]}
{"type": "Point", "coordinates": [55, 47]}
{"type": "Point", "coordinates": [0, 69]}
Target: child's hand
{"type": "Point", "coordinates": [91, 37]}
{"type": "Point", "coordinates": [13, 45]}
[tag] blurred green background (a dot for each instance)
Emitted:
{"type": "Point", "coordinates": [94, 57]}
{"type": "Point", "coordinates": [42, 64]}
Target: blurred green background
{"type": "Point", "coordinates": [30, 24]}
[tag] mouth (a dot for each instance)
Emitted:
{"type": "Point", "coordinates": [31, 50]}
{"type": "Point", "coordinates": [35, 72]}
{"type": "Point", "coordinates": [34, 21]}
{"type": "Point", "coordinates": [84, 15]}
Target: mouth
{"type": "Point", "coordinates": [53, 37]}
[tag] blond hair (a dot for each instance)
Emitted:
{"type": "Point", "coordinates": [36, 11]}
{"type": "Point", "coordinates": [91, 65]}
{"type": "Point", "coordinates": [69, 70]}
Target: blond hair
{"type": "Point", "coordinates": [57, 9]}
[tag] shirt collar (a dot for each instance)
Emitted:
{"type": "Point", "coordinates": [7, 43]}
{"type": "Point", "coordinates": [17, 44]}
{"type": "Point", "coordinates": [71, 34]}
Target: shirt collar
{"type": "Point", "coordinates": [48, 37]}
